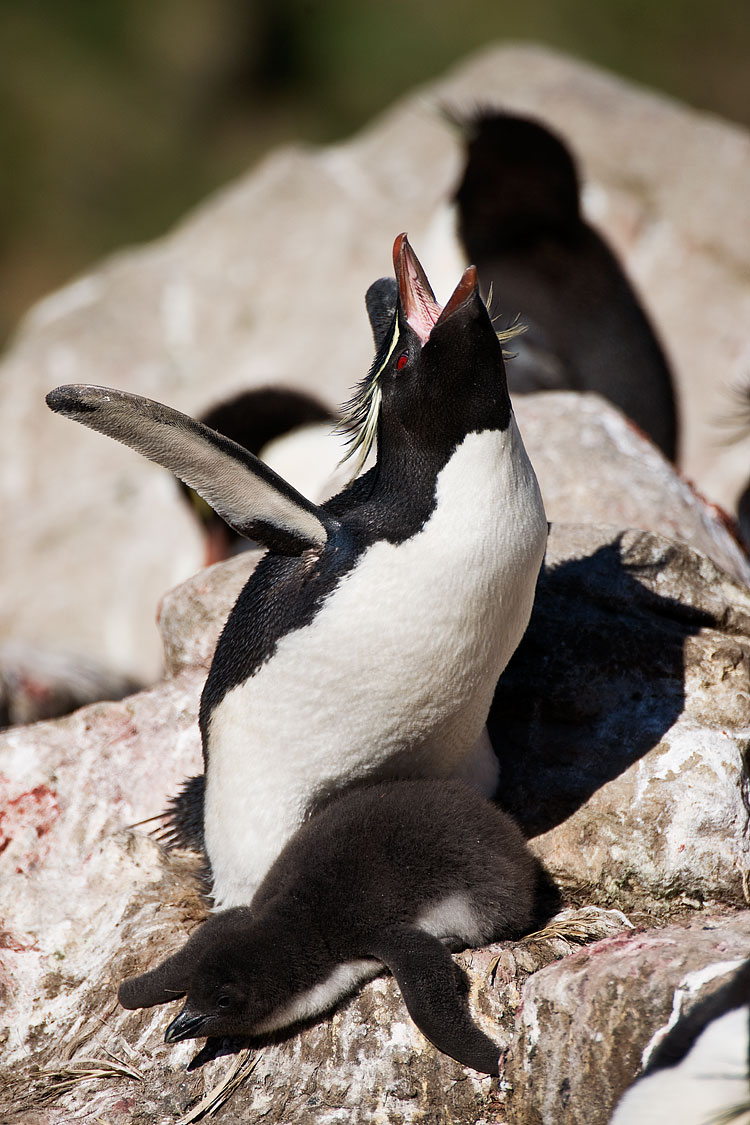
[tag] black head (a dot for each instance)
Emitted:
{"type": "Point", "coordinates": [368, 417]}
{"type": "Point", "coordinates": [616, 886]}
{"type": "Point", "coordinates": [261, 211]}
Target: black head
{"type": "Point", "coordinates": [222, 998]}
{"type": "Point", "coordinates": [227, 970]}
{"type": "Point", "coordinates": [438, 373]}
{"type": "Point", "coordinates": [251, 418]}
{"type": "Point", "coordinates": [520, 183]}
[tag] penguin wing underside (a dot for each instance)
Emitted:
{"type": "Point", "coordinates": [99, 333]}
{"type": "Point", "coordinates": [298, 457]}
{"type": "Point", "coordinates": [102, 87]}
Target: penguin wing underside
{"type": "Point", "coordinates": [431, 985]}
{"type": "Point", "coordinates": [245, 492]}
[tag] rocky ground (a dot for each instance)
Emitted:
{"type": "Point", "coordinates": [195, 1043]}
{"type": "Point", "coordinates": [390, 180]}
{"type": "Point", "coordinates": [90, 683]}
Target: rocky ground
{"type": "Point", "coordinates": [622, 723]}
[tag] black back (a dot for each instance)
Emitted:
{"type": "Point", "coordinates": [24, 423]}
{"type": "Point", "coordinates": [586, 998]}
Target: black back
{"type": "Point", "coordinates": [380, 854]}
{"type": "Point", "coordinates": [255, 417]}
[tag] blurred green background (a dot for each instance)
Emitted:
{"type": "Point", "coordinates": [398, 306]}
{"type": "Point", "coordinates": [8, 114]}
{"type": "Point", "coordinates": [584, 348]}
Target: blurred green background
{"type": "Point", "coordinates": [117, 115]}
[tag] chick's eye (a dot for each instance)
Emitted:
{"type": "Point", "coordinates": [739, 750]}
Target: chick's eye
{"type": "Point", "coordinates": [223, 1001]}
{"type": "Point", "coordinates": [402, 361]}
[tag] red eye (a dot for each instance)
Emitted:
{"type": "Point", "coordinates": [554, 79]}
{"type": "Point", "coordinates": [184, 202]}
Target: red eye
{"type": "Point", "coordinates": [402, 361]}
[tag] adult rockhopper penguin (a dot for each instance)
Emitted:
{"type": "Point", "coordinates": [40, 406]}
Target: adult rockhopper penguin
{"type": "Point", "coordinates": [369, 639]}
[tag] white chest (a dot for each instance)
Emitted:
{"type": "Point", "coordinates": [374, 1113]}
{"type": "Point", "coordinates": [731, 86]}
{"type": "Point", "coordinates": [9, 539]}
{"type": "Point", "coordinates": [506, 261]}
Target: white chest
{"type": "Point", "coordinates": [396, 673]}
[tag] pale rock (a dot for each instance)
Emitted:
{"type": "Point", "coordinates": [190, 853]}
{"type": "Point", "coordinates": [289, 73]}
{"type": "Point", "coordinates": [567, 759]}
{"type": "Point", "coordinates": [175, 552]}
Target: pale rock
{"type": "Point", "coordinates": [594, 466]}
{"type": "Point", "coordinates": [622, 722]}
{"type": "Point", "coordinates": [192, 616]}
{"type": "Point", "coordinates": [93, 535]}
{"type": "Point", "coordinates": [586, 1021]}
{"type": "Point", "coordinates": [610, 786]}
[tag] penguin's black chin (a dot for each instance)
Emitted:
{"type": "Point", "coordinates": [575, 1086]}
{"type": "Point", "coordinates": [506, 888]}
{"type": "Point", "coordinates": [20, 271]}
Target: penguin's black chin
{"type": "Point", "coordinates": [422, 311]}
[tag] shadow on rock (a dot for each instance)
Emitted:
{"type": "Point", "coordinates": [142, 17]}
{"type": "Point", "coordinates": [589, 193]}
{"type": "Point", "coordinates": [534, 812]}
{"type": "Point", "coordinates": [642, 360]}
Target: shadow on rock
{"type": "Point", "coordinates": [597, 680]}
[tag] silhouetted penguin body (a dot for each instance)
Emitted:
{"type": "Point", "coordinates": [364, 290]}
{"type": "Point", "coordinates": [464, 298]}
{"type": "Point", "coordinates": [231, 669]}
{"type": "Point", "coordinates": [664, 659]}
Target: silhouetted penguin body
{"type": "Point", "coordinates": [700, 1070]}
{"type": "Point", "coordinates": [520, 221]}
{"type": "Point", "coordinates": [368, 642]}
{"type": "Point", "coordinates": [390, 874]}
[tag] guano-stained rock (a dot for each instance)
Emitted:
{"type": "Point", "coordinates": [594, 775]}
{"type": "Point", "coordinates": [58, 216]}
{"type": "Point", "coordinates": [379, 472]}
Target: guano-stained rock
{"type": "Point", "coordinates": [588, 767]}
{"type": "Point", "coordinates": [623, 721]}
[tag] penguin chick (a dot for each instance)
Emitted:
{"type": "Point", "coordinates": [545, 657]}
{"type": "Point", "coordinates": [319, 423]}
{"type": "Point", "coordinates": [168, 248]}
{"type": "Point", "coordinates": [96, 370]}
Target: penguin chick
{"type": "Point", "coordinates": [392, 874]}
{"type": "Point", "coordinates": [253, 419]}
{"type": "Point", "coordinates": [520, 221]}
{"type": "Point", "coordinates": [367, 643]}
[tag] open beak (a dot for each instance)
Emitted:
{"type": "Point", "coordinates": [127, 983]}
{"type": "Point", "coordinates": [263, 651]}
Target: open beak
{"type": "Point", "coordinates": [187, 1025]}
{"type": "Point", "coordinates": [418, 302]}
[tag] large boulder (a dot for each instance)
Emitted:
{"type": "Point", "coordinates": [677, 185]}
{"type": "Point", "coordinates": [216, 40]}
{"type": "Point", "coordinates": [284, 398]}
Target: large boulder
{"type": "Point", "coordinates": [265, 282]}
{"type": "Point", "coordinates": [622, 724]}
{"type": "Point", "coordinates": [595, 467]}
{"type": "Point", "coordinates": [586, 1022]}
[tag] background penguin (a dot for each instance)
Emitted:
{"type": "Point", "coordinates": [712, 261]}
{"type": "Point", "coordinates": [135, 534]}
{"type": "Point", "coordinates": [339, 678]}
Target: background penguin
{"type": "Point", "coordinates": [253, 419]}
{"type": "Point", "coordinates": [390, 874]}
{"type": "Point", "coordinates": [41, 683]}
{"type": "Point", "coordinates": [743, 500]}
{"type": "Point", "coordinates": [289, 430]}
{"type": "Point", "coordinates": [743, 517]}
{"type": "Point", "coordinates": [367, 644]}
{"type": "Point", "coordinates": [700, 1071]}
{"type": "Point", "coordinates": [520, 221]}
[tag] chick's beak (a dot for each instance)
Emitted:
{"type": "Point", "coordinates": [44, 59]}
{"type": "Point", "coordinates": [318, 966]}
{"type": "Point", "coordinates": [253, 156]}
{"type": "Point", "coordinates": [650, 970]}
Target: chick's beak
{"type": "Point", "coordinates": [187, 1025]}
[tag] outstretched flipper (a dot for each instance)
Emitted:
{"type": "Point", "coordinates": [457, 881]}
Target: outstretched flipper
{"type": "Point", "coordinates": [168, 981]}
{"type": "Point", "coordinates": [249, 496]}
{"type": "Point", "coordinates": [430, 985]}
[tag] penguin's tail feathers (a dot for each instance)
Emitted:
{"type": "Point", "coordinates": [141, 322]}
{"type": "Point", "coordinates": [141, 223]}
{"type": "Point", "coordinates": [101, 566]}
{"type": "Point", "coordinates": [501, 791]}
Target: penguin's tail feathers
{"type": "Point", "coordinates": [182, 820]}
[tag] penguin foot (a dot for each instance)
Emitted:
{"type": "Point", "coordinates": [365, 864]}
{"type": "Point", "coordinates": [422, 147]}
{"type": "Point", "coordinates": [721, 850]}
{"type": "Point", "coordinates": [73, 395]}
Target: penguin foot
{"type": "Point", "coordinates": [215, 1047]}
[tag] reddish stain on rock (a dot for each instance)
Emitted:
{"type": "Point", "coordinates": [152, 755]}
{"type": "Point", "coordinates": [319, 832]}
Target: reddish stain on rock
{"type": "Point", "coordinates": [36, 809]}
{"type": "Point", "coordinates": [11, 941]}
